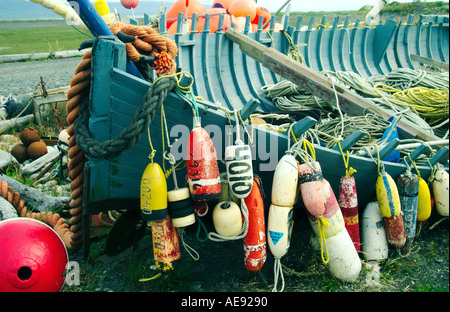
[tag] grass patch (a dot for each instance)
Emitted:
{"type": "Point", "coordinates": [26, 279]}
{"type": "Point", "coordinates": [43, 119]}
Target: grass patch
{"type": "Point", "coordinates": [39, 40]}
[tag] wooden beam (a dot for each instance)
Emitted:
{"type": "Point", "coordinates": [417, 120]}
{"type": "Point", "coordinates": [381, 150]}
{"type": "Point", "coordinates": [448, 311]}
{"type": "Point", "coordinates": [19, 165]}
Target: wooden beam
{"type": "Point", "coordinates": [428, 61]}
{"type": "Point", "coordinates": [317, 84]}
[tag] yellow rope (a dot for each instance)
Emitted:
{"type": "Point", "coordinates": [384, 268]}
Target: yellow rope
{"type": "Point", "coordinates": [348, 171]}
{"type": "Point", "coordinates": [323, 223]}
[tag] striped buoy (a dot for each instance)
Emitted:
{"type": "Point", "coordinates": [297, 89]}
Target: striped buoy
{"type": "Point", "coordinates": [166, 245]}
{"type": "Point", "coordinates": [348, 202]}
{"type": "Point", "coordinates": [342, 260]}
{"type": "Point", "coordinates": [238, 160]}
{"type": "Point", "coordinates": [408, 190]}
{"type": "Point", "coordinates": [441, 192]}
{"type": "Point", "coordinates": [255, 253]}
{"type": "Point", "coordinates": [153, 193]}
{"type": "Point", "coordinates": [389, 204]}
{"type": "Point", "coordinates": [312, 188]}
{"type": "Point", "coordinates": [180, 207]}
{"type": "Point", "coordinates": [202, 168]}
{"type": "Point", "coordinates": [374, 244]}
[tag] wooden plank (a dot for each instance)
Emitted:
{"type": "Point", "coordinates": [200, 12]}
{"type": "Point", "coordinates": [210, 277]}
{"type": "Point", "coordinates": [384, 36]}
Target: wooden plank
{"type": "Point", "coordinates": [349, 102]}
{"type": "Point", "coordinates": [429, 61]}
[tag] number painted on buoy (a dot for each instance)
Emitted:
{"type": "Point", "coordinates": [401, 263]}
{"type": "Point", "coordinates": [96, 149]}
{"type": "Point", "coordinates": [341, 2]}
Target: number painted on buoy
{"type": "Point", "coordinates": [239, 169]}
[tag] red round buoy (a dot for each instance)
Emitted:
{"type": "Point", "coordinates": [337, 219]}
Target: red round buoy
{"type": "Point", "coordinates": [348, 202]}
{"type": "Point", "coordinates": [243, 8]}
{"type": "Point", "coordinates": [33, 257]}
{"type": "Point", "coordinates": [202, 168]}
{"type": "Point", "coordinates": [255, 241]}
{"type": "Point", "coordinates": [128, 4]}
{"type": "Point", "coordinates": [264, 12]}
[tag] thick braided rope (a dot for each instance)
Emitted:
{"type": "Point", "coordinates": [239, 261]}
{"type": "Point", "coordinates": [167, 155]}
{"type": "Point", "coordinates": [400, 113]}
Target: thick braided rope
{"type": "Point", "coordinates": [109, 149]}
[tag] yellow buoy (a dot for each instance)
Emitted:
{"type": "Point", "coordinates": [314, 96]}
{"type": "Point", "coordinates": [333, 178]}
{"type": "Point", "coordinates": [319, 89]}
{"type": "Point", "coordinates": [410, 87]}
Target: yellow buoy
{"type": "Point", "coordinates": [153, 193]}
{"type": "Point", "coordinates": [102, 7]}
{"type": "Point", "coordinates": [424, 203]}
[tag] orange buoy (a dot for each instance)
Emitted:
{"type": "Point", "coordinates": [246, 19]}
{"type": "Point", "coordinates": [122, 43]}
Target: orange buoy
{"type": "Point", "coordinates": [348, 202]}
{"type": "Point", "coordinates": [225, 4]}
{"type": "Point", "coordinates": [264, 12]}
{"type": "Point", "coordinates": [243, 8]}
{"type": "Point", "coordinates": [214, 20]}
{"type": "Point", "coordinates": [194, 6]}
{"type": "Point", "coordinates": [312, 188]}
{"type": "Point", "coordinates": [173, 29]}
{"type": "Point", "coordinates": [202, 168]}
{"type": "Point", "coordinates": [255, 252]}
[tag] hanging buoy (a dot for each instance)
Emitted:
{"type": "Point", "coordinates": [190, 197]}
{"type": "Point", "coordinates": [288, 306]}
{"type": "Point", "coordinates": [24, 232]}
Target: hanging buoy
{"type": "Point", "coordinates": [441, 192]}
{"type": "Point", "coordinates": [238, 160]}
{"type": "Point", "coordinates": [285, 178]}
{"type": "Point", "coordinates": [395, 231]}
{"type": "Point", "coordinates": [424, 201]}
{"type": "Point", "coordinates": [387, 196]}
{"type": "Point", "coordinates": [255, 241]}
{"type": "Point", "coordinates": [153, 193]}
{"type": "Point", "coordinates": [166, 245]}
{"type": "Point", "coordinates": [408, 190]}
{"type": "Point", "coordinates": [374, 244]}
{"type": "Point", "coordinates": [348, 202]}
{"type": "Point", "coordinates": [343, 260]}
{"type": "Point", "coordinates": [202, 168]}
{"type": "Point", "coordinates": [180, 207]}
{"type": "Point", "coordinates": [279, 229]}
{"type": "Point", "coordinates": [314, 193]}
{"type": "Point", "coordinates": [227, 218]}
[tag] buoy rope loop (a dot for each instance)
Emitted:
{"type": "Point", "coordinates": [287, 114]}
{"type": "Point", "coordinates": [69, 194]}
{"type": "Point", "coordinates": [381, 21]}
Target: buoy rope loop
{"type": "Point", "coordinates": [278, 272]}
{"type": "Point", "coordinates": [141, 120]}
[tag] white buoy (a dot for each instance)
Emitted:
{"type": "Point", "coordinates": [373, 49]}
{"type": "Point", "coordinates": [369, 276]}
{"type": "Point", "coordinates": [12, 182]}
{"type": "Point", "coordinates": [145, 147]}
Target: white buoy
{"type": "Point", "coordinates": [374, 245]}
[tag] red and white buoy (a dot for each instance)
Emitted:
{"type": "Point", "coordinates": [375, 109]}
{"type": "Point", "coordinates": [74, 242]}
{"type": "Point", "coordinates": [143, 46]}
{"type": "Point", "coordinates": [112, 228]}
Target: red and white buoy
{"type": "Point", "coordinates": [314, 194]}
{"type": "Point", "coordinates": [348, 202]}
{"type": "Point", "coordinates": [202, 168]}
{"type": "Point", "coordinates": [255, 253]}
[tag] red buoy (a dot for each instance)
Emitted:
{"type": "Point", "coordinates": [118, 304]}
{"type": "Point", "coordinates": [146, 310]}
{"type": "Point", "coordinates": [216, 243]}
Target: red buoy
{"type": "Point", "coordinates": [214, 20]}
{"type": "Point", "coordinates": [395, 232]}
{"type": "Point", "coordinates": [166, 244]}
{"type": "Point", "coordinates": [313, 190]}
{"type": "Point", "coordinates": [194, 6]}
{"type": "Point", "coordinates": [348, 202]}
{"type": "Point", "coordinates": [202, 168]}
{"type": "Point", "coordinates": [33, 257]}
{"type": "Point", "coordinates": [255, 241]}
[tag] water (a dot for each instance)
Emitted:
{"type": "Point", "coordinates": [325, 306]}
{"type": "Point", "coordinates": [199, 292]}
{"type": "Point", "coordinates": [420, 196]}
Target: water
{"type": "Point", "coordinates": [25, 10]}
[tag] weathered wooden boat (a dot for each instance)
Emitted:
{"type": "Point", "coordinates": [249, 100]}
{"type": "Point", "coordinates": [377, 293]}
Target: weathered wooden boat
{"type": "Point", "coordinates": [224, 73]}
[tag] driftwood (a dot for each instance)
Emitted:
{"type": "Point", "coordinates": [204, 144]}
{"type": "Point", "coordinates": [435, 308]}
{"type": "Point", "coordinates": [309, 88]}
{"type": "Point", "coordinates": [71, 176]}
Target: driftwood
{"type": "Point", "coordinates": [15, 123]}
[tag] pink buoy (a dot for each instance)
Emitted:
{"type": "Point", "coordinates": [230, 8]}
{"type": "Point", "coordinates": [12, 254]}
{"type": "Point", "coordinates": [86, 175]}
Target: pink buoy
{"type": "Point", "coordinates": [128, 4]}
{"type": "Point", "coordinates": [33, 257]}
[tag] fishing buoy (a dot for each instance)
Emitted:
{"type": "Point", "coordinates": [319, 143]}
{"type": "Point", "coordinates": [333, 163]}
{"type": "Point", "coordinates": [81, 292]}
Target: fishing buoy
{"type": "Point", "coordinates": [285, 178]}
{"type": "Point", "coordinates": [387, 196]}
{"type": "Point", "coordinates": [214, 20]}
{"type": "Point", "coordinates": [441, 192]}
{"type": "Point", "coordinates": [424, 201]}
{"type": "Point", "coordinates": [33, 257]}
{"type": "Point", "coordinates": [238, 160]}
{"type": "Point", "coordinates": [348, 202]}
{"type": "Point", "coordinates": [395, 231]}
{"type": "Point", "coordinates": [243, 8]}
{"type": "Point", "coordinates": [342, 257]}
{"type": "Point", "coordinates": [255, 253]}
{"type": "Point", "coordinates": [129, 4]}
{"type": "Point", "coordinates": [374, 244]}
{"type": "Point", "coordinates": [153, 193]}
{"type": "Point", "coordinates": [193, 6]}
{"type": "Point", "coordinates": [180, 207]}
{"type": "Point", "coordinates": [408, 190]}
{"type": "Point", "coordinates": [279, 229]}
{"type": "Point", "coordinates": [102, 7]}
{"type": "Point", "coordinates": [227, 219]}
{"type": "Point", "coordinates": [225, 4]}
{"type": "Point", "coordinates": [314, 193]}
{"type": "Point", "coordinates": [166, 244]}
{"type": "Point", "coordinates": [202, 168]}
{"type": "Point", "coordinates": [264, 12]}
